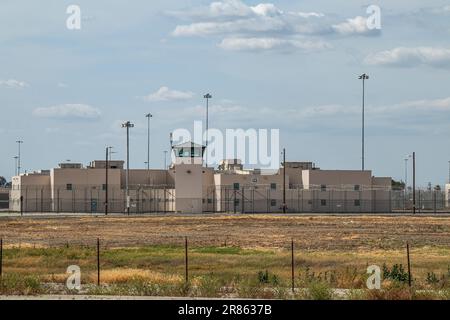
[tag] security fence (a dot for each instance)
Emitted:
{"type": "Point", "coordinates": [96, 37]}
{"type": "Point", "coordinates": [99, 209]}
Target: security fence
{"type": "Point", "coordinates": [234, 199]}
{"type": "Point", "coordinates": [175, 266]}
{"type": "Point", "coordinates": [4, 198]}
{"type": "Point", "coordinates": [92, 199]}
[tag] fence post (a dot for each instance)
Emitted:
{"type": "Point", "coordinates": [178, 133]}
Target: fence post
{"type": "Point", "coordinates": [186, 258]}
{"type": "Point", "coordinates": [409, 264]}
{"type": "Point", "coordinates": [98, 262]}
{"type": "Point", "coordinates": [243, 200]}
{"type": "Point", "coordinates": [21, 205]}
{"type": "Point", "coordinates": [292, 265]}
{"type": "Point", "coordinates": [1, 258]}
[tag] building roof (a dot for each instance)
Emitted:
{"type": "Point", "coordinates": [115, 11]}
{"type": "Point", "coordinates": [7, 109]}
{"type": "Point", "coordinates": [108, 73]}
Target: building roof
{"type": "Point", "coordinates": [188, 144]}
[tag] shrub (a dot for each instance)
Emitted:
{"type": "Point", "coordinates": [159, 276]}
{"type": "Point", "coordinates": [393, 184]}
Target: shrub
{"type": "Point", "coordinates": [16, 284]}
{"type": "Point", "coordinates": [397, 273]}
{"type": "Point", "coordinates": [267, 278]}
{"type": "Point", "coordinates": [432, 278]}
{"type": "Point", "coordinates": [319, 290]}
{"type": "Point", "coordinates": [209, 286]}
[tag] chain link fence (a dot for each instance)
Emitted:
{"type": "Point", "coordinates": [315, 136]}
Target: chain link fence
{"type": "Point", "coordinates": [229, 199]}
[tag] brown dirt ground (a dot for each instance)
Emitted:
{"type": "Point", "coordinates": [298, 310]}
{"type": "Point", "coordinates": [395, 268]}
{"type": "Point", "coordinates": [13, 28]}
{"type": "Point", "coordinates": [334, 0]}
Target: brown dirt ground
{"type": "Point", "coordinates": [258, 231]}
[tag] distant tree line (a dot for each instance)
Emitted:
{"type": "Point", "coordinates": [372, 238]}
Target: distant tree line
{"type": "Point", "coordinates": [4, 182]}
{"type": "Point", "coordinates": [400, 185]}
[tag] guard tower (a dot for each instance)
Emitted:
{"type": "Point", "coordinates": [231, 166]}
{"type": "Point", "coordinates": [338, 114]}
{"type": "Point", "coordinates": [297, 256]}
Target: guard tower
{"type": "Point", "coordinates": [188, 177]}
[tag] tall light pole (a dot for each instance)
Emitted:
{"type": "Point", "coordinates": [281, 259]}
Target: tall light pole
{"type": "Point", "coordinates": [19, 142]}
{"type": "Point", "coordinates": [148, 116]}
{"type": "Point", "coordinates": [106, 180]}
{"type": "Point", "coordinates": [406, 170]}
{"type": "Point", "coordinates": [165, 160]}
{"type": "Point", "coordinates": [110, 152]}
{"type": "Point", "coordinates": [128, 125]}
{"type": "Point", "coordinates": [207, 97]}
{"type": "Point", "coordinates": [449, 171]}
{"type": "Point", "coordinates": [414, 182]}
{"type": "Point", "coordinates": [15, 165]}
{"type": "Point", "coordinates": [284, 180]}
{"type": "Point", "coordinates": [363, 77]}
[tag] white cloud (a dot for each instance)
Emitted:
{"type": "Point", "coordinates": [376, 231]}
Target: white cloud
{"type": "Point", "coordinates": [410, 108]}
{"type": "Point", "coordinates": [235, 17]}
{"type": "Point", "coordinates": [231, 8]}
{"type": "Point", "coordinates": [62, 85]}
{"type": "Point", "coordinates": [437, 105]}
{"type": "Point", "coordinates": [409, 57]}
{"type": "Point", "coordinates": [256, 44]}
{"type": "Point", "coordinates": [68, 111]}
{"type": "Point", "coordinates": [307, 14]}
{"type": "Point", "coordinates": [13, 84]}
{"type": "Point", "coordinates": [236, 26]}
{"type": "Point", "coordinates": [166, 94]}
{"type": "Point", "coordinates": [264, 26]}
{"type": "Point", "coordinates": [266, 9]}
{"type": "Point", "coordinates": [406, 115]}
{"type": "Point", "coordinates": [357, 25]}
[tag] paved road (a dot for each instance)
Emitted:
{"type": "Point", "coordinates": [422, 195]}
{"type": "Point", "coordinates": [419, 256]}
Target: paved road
{"type": "Point", "coordinates": [4, 214]}
{"type": "Point", "coordinates": [86, 297]}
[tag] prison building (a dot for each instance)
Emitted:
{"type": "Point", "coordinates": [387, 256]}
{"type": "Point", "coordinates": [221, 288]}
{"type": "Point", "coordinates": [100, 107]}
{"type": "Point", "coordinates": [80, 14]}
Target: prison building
{"type": "Point", "coordinates": [188, 186]}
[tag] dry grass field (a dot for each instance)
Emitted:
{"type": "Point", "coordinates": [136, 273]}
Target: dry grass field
{"type": "Point", "coordinates": [254, 231]}
{"type": "Point", "coordinates": [226, 250]}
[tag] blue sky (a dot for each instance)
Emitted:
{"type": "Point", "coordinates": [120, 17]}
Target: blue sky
{"type": "Point", "coordinates": [291, 65]}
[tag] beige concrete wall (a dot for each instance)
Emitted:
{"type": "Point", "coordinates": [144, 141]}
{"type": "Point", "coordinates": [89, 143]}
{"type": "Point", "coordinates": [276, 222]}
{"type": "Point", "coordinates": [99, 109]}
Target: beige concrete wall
{"type": "Point", "coordinates": [147, 177]}
{"type": "Point", "coordinates": [87, 193]}
{"type": "Point", "coordinates": [199, 189]}
{"type": "Point", "coordinates": [295, 176]}
{"type": "Point", "coordinates": [4, 198]}
{"type": "Point", "coordinates": [254, 187]}
{"type": "Point", "coordinates": [208, 189]}
{"type": "Point", "coordinates": [189, 188]}
{"type": "Point", "coordinates": [447, 195]}
{"type": "Point", "coordinates": [35, 189]}
{"type": "Point", "coordinates": [336, 178]}
{"type": "Point", "coordinates": [382, 182]}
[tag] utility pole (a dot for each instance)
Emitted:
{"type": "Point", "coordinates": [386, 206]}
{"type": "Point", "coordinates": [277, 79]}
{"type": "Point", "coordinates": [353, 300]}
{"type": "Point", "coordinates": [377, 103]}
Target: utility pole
{"type": "Point", "coordinates": [128, 125]}
{"type": "Point", "coordinates": [15, 165]}
{"type": "Point", "coordinates": [284, 180]}
{"type": "Point", "coordinates": [414, 183]}
{"type": "Point", "coordinates": [406, 173]}
{"type": "Point", "coordinates": [19, 142]}
{"type": "Point", "coordinates": [148, 116]}
{"type": "Point", "coordinates": [106, 180]}
{"type": "Point", "coordinates": [207, 97]}
{"type": "Point", "coordinates": [165, 159]}
{"type": "Point", "coordinates": [363, 77]}
{"type": "Point", "coordinates": [110, 153]}
{"type": "Point", "coordinates": [449, 172]}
